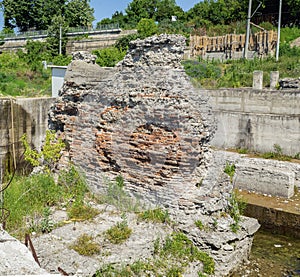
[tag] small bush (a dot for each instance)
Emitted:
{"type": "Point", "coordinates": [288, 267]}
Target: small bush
{"type": "Point", "coordinates": [156, 215]}
{"type": "Point", "coordinates": [199, 224]}
{"type": "Point", "coordinates": [119, 233]}
{"type": "Point", "coordinates": [80, 212]}
{"type": "Point", "coordinates": [116, 195]}
{"type": "Point", "coordinates": [109, 56]}
{"type": "Point", "coordinates": [236, 207]}
{"type": "Point", "coordinates": [48, 156]}
{"type": "Point", "coordinates": [85, 245]}
{"type": "Point", "coordinates": [230, 170]}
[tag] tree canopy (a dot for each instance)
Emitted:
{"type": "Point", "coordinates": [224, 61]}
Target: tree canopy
{"type": "Point", "coordinates": [38, 14]}
{"type": "Point", "coordinates": [206, 13]}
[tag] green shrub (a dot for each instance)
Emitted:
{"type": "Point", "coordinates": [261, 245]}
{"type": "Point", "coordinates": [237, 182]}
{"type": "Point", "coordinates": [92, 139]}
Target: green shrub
{"type": "Point", "coordinates": [29, 198]}
{"type": "Point", "coordinates": [146, 28]}
{"type": "Point", "coordinates": [119, 232]}
{"type": "Point", "coordinates": [156, 215]}
{"type": "Point", "coordinates": [48, 156]}
{"type": "Point", "coordinates": [85, 245]}
{"type": "Point", "coordinates": [109, 56]}
{"type": "Point", "coordinates": [178, 245]}
{"type": "Point", "coordinates": [289, 34]}
{"type": "Point", "coordinates": [46, 225]}
{"type": "Point", "coordinates": [230, 170]}
{"type": "Point", "coordinates": [236, 207]}
{"type": "Point", "coordinates": [116, 195]}
{"type": "Point", "coordinates": [123, 42]}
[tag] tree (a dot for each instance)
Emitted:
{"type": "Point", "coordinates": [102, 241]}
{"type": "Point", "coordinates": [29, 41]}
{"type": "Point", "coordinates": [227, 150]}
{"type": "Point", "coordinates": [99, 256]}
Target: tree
{"type": "Point", "coordinates": [146, 28]}
{"type": "Point", "coordinates": [79, 13]}
{"type": "Point", "coordinates": [109, 56]}
{"type": "Point", "coordinates": [166, 9]}
{"type": "Point", "coordinates": [117, 17]}
{"type": "Point", "coordinates": [138, 9]}
{"type": "Point", "coordinates": [26, 15]}
{"type": "Point", "coordinates": [218, 12]}
{"type": "Point", "coordinates": [58, 23]}
{"type": "Point", "coordinates": [38, 14]}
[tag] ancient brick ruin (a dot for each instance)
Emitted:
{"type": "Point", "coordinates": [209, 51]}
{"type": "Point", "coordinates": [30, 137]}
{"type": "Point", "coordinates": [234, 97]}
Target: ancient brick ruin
{"type": "Point", "coordinates": [144, 120]}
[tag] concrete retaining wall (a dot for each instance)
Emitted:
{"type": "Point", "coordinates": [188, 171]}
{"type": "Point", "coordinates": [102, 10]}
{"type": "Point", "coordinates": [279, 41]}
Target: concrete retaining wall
{"type": "Point", "coordinates": [256, 119]}
{"type": "Point", "coordinates": [92, 42]}
{"type": "Point", "coordinates": [20, 116]}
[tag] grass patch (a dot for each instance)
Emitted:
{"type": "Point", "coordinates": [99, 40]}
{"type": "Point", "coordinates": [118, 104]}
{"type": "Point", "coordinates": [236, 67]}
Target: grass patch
{"type": "Point", "coordinates": [80, 212]}
{"type": "Point", "coordinates": [171, 259]}
{"type": "Point", "coordinates": [276, 154]}
{"type": "Point", "coordinates": [85, 245]}
{"type": "Point", "coordinates": [156, 215]}
{"type": "Point", "coordinates": [119, 232]}
{"type": "Point", "coordinates": [18, 79]}
{"type": "Point", "coordinates": [199, 224]}
{"type": "Point", "coordinates": [116, 196]}
{"type": "Point", "coordinates": [28, 199]}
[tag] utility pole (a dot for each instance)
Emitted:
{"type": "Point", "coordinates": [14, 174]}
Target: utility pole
{"type": "Point", "coordinates": [278, 31]}
{"type": "Point", "coordinates": [248, 30]}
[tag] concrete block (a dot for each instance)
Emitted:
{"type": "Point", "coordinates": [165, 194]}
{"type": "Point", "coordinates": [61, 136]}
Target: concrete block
{"type": "Point", "coordinates": [265, 179]}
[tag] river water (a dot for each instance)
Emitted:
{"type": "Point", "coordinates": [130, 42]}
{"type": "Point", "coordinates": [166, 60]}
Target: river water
{"type": "Point", "coordinates": [272, 256]}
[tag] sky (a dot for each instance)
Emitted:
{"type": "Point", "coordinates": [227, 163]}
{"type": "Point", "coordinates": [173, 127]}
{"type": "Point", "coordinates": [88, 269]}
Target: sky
{"type": "Point", "coordinates": [105, 8]}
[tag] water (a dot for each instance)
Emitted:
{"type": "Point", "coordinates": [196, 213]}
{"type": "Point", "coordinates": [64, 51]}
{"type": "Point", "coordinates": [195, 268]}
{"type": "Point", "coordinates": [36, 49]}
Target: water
{"type": "Point", "coordinates": [272, 256]}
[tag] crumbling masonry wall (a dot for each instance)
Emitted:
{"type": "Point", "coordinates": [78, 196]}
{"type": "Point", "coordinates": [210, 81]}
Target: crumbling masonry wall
{"type": "Point", "coordinates": [144, 120]}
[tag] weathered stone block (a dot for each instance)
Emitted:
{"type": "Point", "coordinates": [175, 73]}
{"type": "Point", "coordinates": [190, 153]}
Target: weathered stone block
{"type": "Point", "coordinates": [264, 178]}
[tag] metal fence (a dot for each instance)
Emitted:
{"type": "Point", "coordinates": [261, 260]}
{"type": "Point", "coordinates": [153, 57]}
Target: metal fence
{"type": "Point", "coordinates": [72, 30]}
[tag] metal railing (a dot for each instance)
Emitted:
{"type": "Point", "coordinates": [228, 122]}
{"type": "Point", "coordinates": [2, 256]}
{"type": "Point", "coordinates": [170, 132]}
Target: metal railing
{"type": "Point", "coordinates": [71, 30]}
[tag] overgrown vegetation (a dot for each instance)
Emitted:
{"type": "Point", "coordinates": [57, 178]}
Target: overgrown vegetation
{"type": "Point", "coordinates": [156, 215]}
{"type": "Point", "coordinates": [23, 73]}
{"type": "Point", "coordinates": [276, 154]}
{"type": "Point", "coordinates": [230, 170]}
{"type": "Point", "coordinates": [49, 154]}
{"type": "Point", "coordinates": [171, 259]}
{"type": "Point", "coordinates": [119, 232]}
{"type": "Point", "coordinates": [116, 195]}
{"type": "Point", "coordinates": [238, 73]}
{"type": "Point", "coordinates": [85, 245]}
{"type": "Point", "coordinates": [236, 207]}
{"type": "Point", "coordinates": [29, 200]}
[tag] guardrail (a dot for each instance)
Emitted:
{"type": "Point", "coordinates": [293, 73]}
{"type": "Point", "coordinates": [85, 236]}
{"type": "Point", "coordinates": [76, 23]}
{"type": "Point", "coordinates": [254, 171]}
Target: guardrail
{"type": "Point", "coordinates": [72, 30]}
